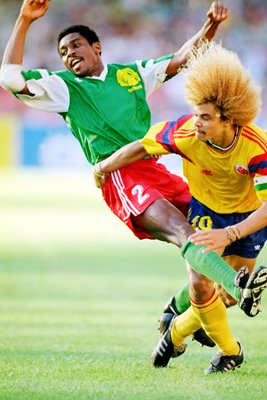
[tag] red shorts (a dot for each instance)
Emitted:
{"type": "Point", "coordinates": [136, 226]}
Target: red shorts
{"type": "Point", "coordinates": [131, 190]}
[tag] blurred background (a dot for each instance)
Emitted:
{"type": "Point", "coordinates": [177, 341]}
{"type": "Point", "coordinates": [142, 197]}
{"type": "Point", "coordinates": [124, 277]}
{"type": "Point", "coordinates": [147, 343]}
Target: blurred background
{"type": "Point", "coordinates": [128, 30]}
{"type": "Point", "coordinates": [79, 294]}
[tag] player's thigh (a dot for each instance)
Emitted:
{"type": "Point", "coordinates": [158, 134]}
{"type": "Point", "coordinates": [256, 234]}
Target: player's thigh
{"type": "Point", "coordinates": [165, 222]}
{"type": "Point", "coordinates": [237, 262]}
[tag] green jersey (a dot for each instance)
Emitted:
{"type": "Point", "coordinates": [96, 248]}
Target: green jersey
{"type": "Point", "coordinates": [103, 113]}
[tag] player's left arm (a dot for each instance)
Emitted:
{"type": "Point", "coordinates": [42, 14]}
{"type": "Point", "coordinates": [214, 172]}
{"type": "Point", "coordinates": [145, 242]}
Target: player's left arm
{"type": "Point", "coordinates": [216, 14]}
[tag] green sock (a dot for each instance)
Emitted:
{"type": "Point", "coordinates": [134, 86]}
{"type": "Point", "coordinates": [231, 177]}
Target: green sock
{"type": "Point", "coordinates": [182, 299]}
{"type": "Point", "coordinates": [211, 265]}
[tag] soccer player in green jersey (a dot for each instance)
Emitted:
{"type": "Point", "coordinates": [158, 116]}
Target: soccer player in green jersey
{"type": "Point", "coordinates": [225, 161]}
{"type": "Point", "coordinates": [105, 107]}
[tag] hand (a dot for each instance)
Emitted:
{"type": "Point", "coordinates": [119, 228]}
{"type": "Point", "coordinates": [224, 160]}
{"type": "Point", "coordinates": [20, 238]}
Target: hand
{"type": "Point", "coordinates": [34, 9]}
{"type": "Point", "coordinates": [99, 177]}
{"type": "Point", "coordinates": [218, 12]}
{"type": "Point", "coordinates": [214, 239]}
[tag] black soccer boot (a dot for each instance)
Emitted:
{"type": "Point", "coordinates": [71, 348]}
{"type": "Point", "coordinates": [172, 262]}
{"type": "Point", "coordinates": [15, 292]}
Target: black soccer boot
{"type": "Point", "coordinates": [252, 288]}
{"type": "Point", "coordinates": [223, 363]}
{"type": "Point", "coordinates": [165, 349]}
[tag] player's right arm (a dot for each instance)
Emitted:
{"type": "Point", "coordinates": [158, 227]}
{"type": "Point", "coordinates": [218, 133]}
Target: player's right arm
{"type": "Point", "coordinates": [11, 77]}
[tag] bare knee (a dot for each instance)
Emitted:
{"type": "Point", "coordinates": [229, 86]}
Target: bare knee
{"type": "Point", "coordinates": [201, 288]}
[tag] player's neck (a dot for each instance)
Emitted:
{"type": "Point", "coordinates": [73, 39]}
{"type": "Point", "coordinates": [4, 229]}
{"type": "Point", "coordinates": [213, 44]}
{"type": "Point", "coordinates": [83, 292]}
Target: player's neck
{"type": "Point", "coordinates": [228, 140]}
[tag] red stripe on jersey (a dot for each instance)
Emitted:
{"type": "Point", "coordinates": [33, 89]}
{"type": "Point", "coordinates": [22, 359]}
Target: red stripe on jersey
{"type": "Point", "coordinates": [184, 133]}
{"type": "Point", "coordinates": [183, 119]}
{"type": "Point", "coordinates": [252, 135]}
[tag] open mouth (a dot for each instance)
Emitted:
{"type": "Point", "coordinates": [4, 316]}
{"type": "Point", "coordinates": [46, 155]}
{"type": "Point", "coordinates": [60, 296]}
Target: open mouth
{"type": "Point", "coordinates": [75, 63]}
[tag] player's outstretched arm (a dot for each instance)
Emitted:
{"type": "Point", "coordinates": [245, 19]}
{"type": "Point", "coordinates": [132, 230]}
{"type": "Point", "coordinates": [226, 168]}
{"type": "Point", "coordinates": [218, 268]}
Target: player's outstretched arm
{"type": "Point", "coordinates": [216, 14]}
{"type": "Point", "coordinates": [30, 11]}
{"type": "Point", "coordinates": [127, 154]}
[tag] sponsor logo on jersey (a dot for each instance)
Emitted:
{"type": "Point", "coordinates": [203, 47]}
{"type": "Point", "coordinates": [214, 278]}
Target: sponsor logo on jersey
{"type": "Point", "coordinates": [241, 169]}
{"type": "Point", "coordinates": [206, 172]}
{"type": "Point", "coordinates": [128, 77]}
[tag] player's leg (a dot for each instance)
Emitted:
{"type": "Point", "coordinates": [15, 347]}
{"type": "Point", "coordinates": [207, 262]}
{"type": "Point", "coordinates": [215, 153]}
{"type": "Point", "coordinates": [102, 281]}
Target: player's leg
{"type": "Point", "coordinates": [209, 314]}
{"type": "Point", "coordinates": [212, 314]}
{"type": "Point", "coordinates": [154, 219]}
{"type": "Point", "coordinates": [177, 304]}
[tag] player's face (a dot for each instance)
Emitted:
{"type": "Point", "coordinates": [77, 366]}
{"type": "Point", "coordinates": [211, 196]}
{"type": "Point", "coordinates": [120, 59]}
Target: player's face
{"type": "Point", "coordinates": [79, 56]}
{"type": "Point", "coordinates": [208, 123]}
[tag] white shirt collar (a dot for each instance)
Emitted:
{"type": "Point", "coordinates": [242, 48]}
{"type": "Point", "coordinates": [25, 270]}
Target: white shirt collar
{"type": "Point", "coordinates": [102, 76]}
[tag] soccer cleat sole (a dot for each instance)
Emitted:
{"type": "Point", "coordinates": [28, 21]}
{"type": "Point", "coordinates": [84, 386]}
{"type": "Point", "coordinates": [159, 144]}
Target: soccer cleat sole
{"type": "Point", "coordinates": [250, 301]}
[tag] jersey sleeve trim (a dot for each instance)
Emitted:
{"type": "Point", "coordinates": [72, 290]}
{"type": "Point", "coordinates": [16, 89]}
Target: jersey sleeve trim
{"type": "Point", "coordinates": [153, 72]}
{"type": "Point", "coordinates": [50, 92]}
{"type": "Point", "coordinates": [161, 138]}
{"type": "Point", "coordinates": [258, 165]}
{"type": "Point", "coordinates": [168, 134]}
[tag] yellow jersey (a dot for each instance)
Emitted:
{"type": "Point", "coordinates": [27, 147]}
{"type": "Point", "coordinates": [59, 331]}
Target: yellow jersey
{"type": "Point", "coordinates": [232, 181]}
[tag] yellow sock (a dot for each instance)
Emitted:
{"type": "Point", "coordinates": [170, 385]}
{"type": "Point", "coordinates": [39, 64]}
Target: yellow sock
{"type": "Point", "coordinates": [212, 315]}
{"type": "Point", "coordinates": [184, 325]}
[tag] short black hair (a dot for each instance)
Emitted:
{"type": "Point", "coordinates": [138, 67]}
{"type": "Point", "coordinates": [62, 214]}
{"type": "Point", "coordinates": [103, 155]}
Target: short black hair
{"type": "Point", "coordinates": [83, 30]}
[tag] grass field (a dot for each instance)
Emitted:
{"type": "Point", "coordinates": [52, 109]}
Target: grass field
{"type": "Point", "coordinates": [80, 298]}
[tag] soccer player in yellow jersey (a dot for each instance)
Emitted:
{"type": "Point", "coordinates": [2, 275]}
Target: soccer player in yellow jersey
{"type": "Point", "coordinates": [225, 161]}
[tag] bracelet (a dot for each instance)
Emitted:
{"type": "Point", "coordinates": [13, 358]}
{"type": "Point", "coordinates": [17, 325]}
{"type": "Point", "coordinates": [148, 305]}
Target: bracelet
{"type": "Point", "coordinates": [98, 175]}
{"type": "Point", "coordinates": [236, 231]}
{"type": "Point", "coordinates": [231, 236]}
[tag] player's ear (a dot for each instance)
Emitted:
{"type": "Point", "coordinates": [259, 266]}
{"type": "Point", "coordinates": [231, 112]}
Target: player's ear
{"type": "Point", "coordinates": [97, 48]}
{"type": "Point", "coordinates": [226, 120]}
{"type": "Point", "coordinates": [229, 121]}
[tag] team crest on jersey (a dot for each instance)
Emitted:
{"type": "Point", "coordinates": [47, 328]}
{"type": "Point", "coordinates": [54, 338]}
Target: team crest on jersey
{"type": "Point", "coordinates": [128, 77]}
{"type": "Point", "coordinates": [206, 172]}
{"type": "Point", "coordinates": [241, 169]}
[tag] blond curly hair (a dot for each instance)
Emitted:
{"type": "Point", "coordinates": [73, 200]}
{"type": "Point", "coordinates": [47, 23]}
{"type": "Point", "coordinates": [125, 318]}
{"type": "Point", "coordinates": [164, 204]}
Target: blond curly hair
{"type": "Point", "coordinates": [216, 75]}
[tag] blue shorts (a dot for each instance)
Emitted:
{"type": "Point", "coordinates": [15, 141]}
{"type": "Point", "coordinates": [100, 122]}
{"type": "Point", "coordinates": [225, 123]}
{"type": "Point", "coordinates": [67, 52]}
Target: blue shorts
{"type": "Point", "coordinates": [203, 217]}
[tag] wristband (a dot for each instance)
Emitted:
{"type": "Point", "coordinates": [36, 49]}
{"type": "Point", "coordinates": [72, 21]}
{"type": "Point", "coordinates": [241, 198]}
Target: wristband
{"type": "Point", "coordinates": [11, 77]}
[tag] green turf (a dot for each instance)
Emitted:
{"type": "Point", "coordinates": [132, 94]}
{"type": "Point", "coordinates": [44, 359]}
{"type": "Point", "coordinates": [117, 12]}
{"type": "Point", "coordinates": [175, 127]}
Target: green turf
{"type": "Point", "coordinates": [79, 306]}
